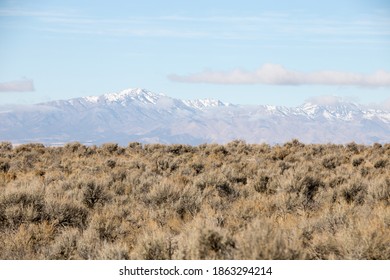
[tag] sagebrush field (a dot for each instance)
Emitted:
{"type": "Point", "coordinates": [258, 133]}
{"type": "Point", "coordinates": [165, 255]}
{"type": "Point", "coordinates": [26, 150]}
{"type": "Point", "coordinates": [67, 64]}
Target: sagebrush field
{"type": "Point", "coordinates": [233, 201]}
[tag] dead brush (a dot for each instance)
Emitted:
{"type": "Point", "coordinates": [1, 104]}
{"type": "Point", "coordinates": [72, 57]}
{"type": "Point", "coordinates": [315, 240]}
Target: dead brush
{"type": "Point", "coordinates": [232, 201]}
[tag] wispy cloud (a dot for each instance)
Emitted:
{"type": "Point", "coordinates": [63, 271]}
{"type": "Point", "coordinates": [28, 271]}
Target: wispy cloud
{"type": "Point", "coordinates": [17, 86]}
{"type": "Point", "coordinates": [333, 100]}
{"type": "Point", "coordinates": [274, 74]}
{"type": "Point", "coordinates": [382, 105]}
{"type": "Point", "coordinates": [386, 104]}
{"type": "Point", "coordinates": [325, 100]}
{"type": "Point", "coordinates": [269, 27]}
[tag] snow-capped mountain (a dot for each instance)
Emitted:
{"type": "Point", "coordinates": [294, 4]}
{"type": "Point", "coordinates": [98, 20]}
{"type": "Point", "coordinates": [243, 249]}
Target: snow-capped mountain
{"type": "Point", "coordinates": [144, 116]}
{"type": "Point", "coordinates": [126, 96]}
{"type": "Point", "coordinates": [204, 103]}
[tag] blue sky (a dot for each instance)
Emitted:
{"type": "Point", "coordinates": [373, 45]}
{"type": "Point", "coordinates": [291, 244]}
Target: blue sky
{"type": "Point", "coordinates": [246, 52]}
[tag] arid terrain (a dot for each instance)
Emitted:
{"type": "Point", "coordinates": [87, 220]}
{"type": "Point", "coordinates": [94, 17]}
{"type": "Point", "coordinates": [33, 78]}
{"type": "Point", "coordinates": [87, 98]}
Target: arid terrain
{"type": "Point", "coordinates": [232, 201]}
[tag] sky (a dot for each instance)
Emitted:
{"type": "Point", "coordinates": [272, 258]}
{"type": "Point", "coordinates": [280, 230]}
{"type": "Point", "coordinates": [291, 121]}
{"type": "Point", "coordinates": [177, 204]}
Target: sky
{"type": "Point", "coordinates": [242, 52]}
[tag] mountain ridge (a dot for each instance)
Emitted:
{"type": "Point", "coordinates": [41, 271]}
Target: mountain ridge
{"type": "Point", "coordinates": [140, 115]}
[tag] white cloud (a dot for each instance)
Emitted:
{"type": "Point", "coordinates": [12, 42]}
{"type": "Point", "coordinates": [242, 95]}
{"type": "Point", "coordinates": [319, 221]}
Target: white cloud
{"type": "Point", "coordinates": [382, 105]}
{"type": "Point", "coordinates": [20, 85]}
{"type": "Point", "coordinates": [274, 74]}
{"type": "Point", "coordinates": [325, 100]}
{"type": "Point", "coordinates": [386, 104]}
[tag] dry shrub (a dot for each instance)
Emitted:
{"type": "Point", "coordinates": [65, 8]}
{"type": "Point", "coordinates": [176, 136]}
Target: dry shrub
{"type": "Point", "coordinates": [380, 190]}
{"type": "Point", "coordinates": [94, 194]}
{"type": "Point", "coordinates": [233, 201]}
{"type": "Point", "coordinates": [113, 251]}
{"type": "Point", "coordinates": [22, 204]}
{"type": "Point", "coordinates": [107, 225]}
{"type": "Point", "coordinates": [264, 239]}
{"type": "Point", "coordinates": [89, 245]}
{"type": "Point", "coordinates": [382, 163]}
{"type": "Point", "coordinates": [331, 162]}
{"type": "Point", "coordinates": [154, 245]}
{"type": "Point", "coordinates": [357, 161]}
{"type": "Point", "coordinates": [111, 149]}
{"type": "Point", "coordinates": [67, 214]}
{"type": "Point", "coordinates": [5, 147]}
{"type": "Point", "coordinates": [202, 240]}
{"type": "Point", "coordinates": [4, 165]}
{"type": "Point", "coordinates": [64, 246]}
{"type": "Point", "coordinates": [355, 193]}
{"type": "Point", "coordinates": [162, 193]}
{"type": "Point", "coordinates": [261, 184]}
{"type": "Point", "coordinates": [26, 242]}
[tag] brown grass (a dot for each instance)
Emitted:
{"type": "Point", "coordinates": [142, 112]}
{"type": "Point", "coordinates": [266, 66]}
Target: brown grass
{"type": "Point", "coordinates": [233, 201]}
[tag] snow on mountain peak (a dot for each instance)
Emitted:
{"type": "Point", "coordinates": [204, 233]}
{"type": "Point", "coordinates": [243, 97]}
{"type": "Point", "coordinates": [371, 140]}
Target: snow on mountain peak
{"type": "Point", "coordinates": [337, 110]}
{"type": "Point", "coordinates": [124, 96]}
{"type": "Point", "coordinates": [309, 108]}
{"type": "Point", "coordinates": [204, 103]}
{"type": "Point", "coordinates": [92, 99]}
{"type": "Point", "coordinates": [137, 94]}
{"type": "Point", "coordinates": [330, 108]}
{"type": "Point", "coordinates": [147, 97]}
{"type": "Point", "coordinates": [143, 116]}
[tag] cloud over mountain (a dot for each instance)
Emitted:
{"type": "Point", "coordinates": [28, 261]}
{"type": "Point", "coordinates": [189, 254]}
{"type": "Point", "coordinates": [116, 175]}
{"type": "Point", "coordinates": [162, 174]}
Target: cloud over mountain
{"type": "Point", "coordinates": [17, 86]}
{"type": "Point", "coordinates": [275, 74]}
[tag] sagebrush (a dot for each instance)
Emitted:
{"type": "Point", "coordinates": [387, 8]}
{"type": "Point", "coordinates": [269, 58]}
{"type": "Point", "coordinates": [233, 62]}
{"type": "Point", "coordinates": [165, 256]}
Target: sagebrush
{"type": "Point", "coordinates": [232, 201]}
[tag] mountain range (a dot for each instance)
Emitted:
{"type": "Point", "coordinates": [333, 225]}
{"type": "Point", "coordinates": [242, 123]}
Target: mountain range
{"type": "Point", "coordinates": [138, 115]}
